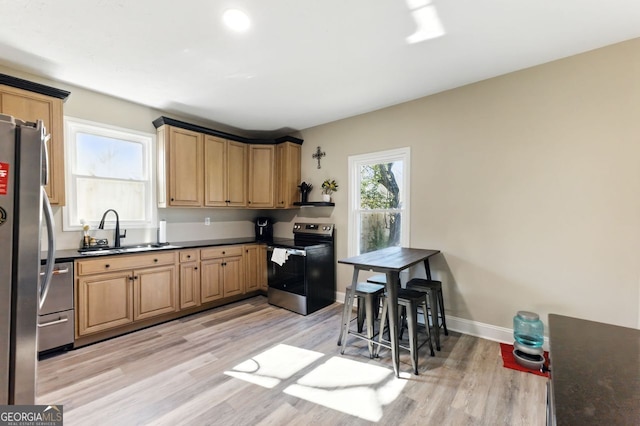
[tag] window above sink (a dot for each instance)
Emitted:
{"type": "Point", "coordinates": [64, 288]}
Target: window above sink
{"type": "Point", "coordinates": [108, 168]}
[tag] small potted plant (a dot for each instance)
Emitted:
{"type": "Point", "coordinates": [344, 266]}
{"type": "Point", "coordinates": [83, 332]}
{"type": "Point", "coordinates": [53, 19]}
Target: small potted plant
{"type": "Point", "coordinates": [329, 186]}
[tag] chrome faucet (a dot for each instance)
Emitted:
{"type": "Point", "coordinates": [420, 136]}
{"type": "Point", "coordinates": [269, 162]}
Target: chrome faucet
{"type": "Point", "coordinates": [118, 236]}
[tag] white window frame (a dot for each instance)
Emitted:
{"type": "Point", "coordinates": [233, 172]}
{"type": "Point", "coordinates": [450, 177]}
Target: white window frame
{"type": "Point", "coordinates": [72, 126]}
{"type": "Point", "coordinates": [355, 162]}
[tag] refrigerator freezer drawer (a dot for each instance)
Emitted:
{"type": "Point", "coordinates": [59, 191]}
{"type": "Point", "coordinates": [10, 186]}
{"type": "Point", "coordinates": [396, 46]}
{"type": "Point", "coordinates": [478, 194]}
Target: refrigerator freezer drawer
{"type": "Point", "coordinates": [55, 330]}
{"type": "Point", "coordinates": [60, 295]}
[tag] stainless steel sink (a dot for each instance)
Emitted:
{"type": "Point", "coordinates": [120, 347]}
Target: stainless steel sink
{"type": "Point", "coordinates": [126, 249]}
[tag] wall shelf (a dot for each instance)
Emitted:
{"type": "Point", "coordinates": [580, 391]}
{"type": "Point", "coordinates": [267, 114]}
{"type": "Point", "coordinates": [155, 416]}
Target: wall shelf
{"type": "Point", "coordinates": [314, 204]}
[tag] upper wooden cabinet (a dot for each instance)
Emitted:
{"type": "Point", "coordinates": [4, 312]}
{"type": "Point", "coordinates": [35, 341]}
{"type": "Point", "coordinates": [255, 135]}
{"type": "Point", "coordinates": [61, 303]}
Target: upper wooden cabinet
{"type": "Point", "coordinates": [180, 158]}
{"type": "Point", "coordinates": [31, 106]}
{"type": "Point", "coordinates": [261, 176]}
{"type": "Point", "coordinates": [225, 172]}
{"type": "Point", "coordinates": [287, 174]}
{"type": "Point", "coordinates": [200, 167]}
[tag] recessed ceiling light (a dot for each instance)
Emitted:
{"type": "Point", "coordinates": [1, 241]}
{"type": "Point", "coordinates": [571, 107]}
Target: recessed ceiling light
{"type": "Point", "coordinates": [236, 20]}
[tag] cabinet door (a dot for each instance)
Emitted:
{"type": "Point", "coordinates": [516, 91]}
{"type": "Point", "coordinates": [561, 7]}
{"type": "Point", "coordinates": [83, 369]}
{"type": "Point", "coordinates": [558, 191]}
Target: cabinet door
{"type": "Point", "coordinates": [261, 176]}
{"type": "Point", "coordinates": [251, 265]}
{"type": "Point", "coordinates": [104, 301]}
{"type": "Point", "coordinates": [237, 174]}
{"type": "Point", "coordinates": [288, 174]}
{"type": "Point", "coordinates": [189, 285]}
{"type": "Point", "coordinates": [185, 168]}
{"type": "Point", "coordinates": [262, 267]}
{"type": "Point", "coordinates": [215, 171]}
{"type": "Point", "coordinates": [233, 276]}
{"type": "Point", "coordinates": [211, 279]}
{"type": "Point", "coordinates": [31, 106]}
{"type": "Point", "coordinates": [155, 292]}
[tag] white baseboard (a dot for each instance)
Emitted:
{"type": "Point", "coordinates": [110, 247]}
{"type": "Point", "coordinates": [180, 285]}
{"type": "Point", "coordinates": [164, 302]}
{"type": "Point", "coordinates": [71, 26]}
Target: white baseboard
{"type": "Point", "coordinates": [485, 331]}
{"type": "Point", "coordinates": [474, 328]}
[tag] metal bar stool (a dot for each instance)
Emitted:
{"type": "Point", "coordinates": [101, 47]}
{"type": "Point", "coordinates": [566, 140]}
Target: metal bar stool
{"type": "Point", "coordinates": [434, 290]}
{"type": "Point", "coordinates": [410, 299]}
{"type": "Point", "coordinates": [370, 294]}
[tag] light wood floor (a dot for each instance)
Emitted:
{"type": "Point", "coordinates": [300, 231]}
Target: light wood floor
{"type": "Point", "coordinates": [174, 373]}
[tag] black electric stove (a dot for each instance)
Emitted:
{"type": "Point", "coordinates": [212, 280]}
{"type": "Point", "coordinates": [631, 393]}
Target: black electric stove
{"type": "Point", "coordinates": [301, 271]}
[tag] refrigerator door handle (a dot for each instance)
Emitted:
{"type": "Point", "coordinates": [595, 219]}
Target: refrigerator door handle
{"type": "Point", "coordinates": [51, 248]}
{"type": "Point", "coordinates": [45, 160]}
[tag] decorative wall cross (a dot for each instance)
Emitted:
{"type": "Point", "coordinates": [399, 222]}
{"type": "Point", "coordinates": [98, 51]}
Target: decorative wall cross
{"type": "Point", "coordinates": [318, 155]}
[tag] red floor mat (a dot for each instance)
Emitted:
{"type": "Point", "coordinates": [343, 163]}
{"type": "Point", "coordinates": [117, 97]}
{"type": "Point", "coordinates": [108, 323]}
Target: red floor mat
{"type": "Point", "coordinates": [509, 361]}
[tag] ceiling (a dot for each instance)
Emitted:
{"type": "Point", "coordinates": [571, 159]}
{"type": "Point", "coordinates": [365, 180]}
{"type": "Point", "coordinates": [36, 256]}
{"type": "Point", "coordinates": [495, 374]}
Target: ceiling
{"type": "Point", "coordinates": [303, 62]}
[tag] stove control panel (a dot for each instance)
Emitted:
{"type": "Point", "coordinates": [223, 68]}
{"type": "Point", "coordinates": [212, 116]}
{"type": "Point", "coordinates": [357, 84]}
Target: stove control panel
{"type": "Point", "coordinates": [313, 228]}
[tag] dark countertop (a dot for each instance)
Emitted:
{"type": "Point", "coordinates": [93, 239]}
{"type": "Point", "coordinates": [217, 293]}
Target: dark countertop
{"type": "Point", "coordinates": [595, 372]}
{"type": "Point", "coordinates": [72, 254]}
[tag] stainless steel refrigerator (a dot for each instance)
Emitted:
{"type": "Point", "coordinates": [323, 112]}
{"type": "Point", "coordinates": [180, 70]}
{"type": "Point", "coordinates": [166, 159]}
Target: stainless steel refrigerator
{"type": "Point", "coordinates": [23, 205]}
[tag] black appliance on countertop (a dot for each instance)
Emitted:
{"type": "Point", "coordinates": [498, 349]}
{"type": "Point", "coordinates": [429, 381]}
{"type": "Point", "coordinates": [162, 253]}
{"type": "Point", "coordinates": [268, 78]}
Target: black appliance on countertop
{"type": "Point", "coordinates": [264, 229]}
{"type": "Point", "coordinates": [306, 281]}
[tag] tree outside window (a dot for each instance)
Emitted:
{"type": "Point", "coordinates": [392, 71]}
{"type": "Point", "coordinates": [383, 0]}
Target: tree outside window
{"type": "Point", "coordinates": [379, 183]}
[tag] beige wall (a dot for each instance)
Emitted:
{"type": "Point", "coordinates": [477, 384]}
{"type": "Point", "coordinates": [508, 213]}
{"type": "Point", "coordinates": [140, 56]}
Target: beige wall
{"type": "Point", "coordinates": [529, 183]}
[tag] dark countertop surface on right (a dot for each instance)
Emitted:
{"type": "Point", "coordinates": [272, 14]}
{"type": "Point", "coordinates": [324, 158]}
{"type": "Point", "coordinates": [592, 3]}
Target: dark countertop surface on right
{"type": "Point", "coordinates": [595, 372]}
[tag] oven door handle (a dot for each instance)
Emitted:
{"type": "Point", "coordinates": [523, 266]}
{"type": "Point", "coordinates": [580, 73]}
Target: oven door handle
{"type": "Point", "coordinates": [292, 252]}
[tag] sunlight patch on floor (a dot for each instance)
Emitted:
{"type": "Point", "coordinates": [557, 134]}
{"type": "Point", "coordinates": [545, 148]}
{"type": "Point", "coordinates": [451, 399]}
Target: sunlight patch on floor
{"type": "Point", "coordinates": [272, 366]}
{"type": "Point", "coordinates": [351, 387]}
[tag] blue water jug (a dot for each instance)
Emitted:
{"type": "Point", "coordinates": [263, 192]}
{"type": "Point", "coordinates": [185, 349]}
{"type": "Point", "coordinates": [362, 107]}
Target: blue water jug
{"type": "Point", "coordinates": [528, 329]}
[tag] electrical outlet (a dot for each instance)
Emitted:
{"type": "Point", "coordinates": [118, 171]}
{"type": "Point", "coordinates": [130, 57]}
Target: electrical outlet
{"type": "Point", "coordinates": [207, 221]}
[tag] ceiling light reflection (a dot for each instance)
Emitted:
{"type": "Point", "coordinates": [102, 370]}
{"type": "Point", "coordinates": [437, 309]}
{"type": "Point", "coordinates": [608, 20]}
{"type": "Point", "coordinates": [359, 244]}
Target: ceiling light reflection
{"type": "Point", "coordinates": [427, 21]}
{"type": "Point", "coordinates": [236, 20]}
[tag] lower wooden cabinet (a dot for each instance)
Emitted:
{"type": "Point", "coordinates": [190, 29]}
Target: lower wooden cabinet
{"type": "Point", "coordinates": [262, 268]}
{"type": "Point", "coordinates": [189, 278]}
{"type": "Point", "coordinates": [116, 294]}
{"type": "Point", "coordinates": [222, 273]}
{"type": "Point", "coordinates": [154, 292]}
{"type": "Point", "coordinates": [255, 267]}
{"type": "Point", "coordinates": [104, 301]}
{"type": "Point", "coordinates": [136, 290]}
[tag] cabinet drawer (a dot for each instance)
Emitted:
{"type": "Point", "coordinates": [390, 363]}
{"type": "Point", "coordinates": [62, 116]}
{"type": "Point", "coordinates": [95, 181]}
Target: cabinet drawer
{"type": "Point", "coordinates": [188, 255]}
{"type": "Point", "coordinates": [225, 251]}
{"type": "Point", "coordinates": [118, 263]}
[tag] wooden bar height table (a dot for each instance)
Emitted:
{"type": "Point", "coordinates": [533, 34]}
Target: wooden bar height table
{"type": "Point", "coordinates": [390, 261]}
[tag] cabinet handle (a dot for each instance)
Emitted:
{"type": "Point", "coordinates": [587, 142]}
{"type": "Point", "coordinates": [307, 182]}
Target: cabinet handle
{"type": "Point", "coordinates": [188, 256]}
{"type": "Point", "coordinates": [130, 278]}
{"type": "Point", "coordinates": [249, 202]}
{"type": "Point", "coordinates": [224, 252]}
{"type": "Point", "coordinates": [172, 199]}
{"type": "Point", "coordinates": [195, 269]}
{"type": "Point", "coordinates": [107, 265]}
{"type": "Point", "coordinates": [135, 277]}
{"type": "Point", "coordinates": [155, 260]}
